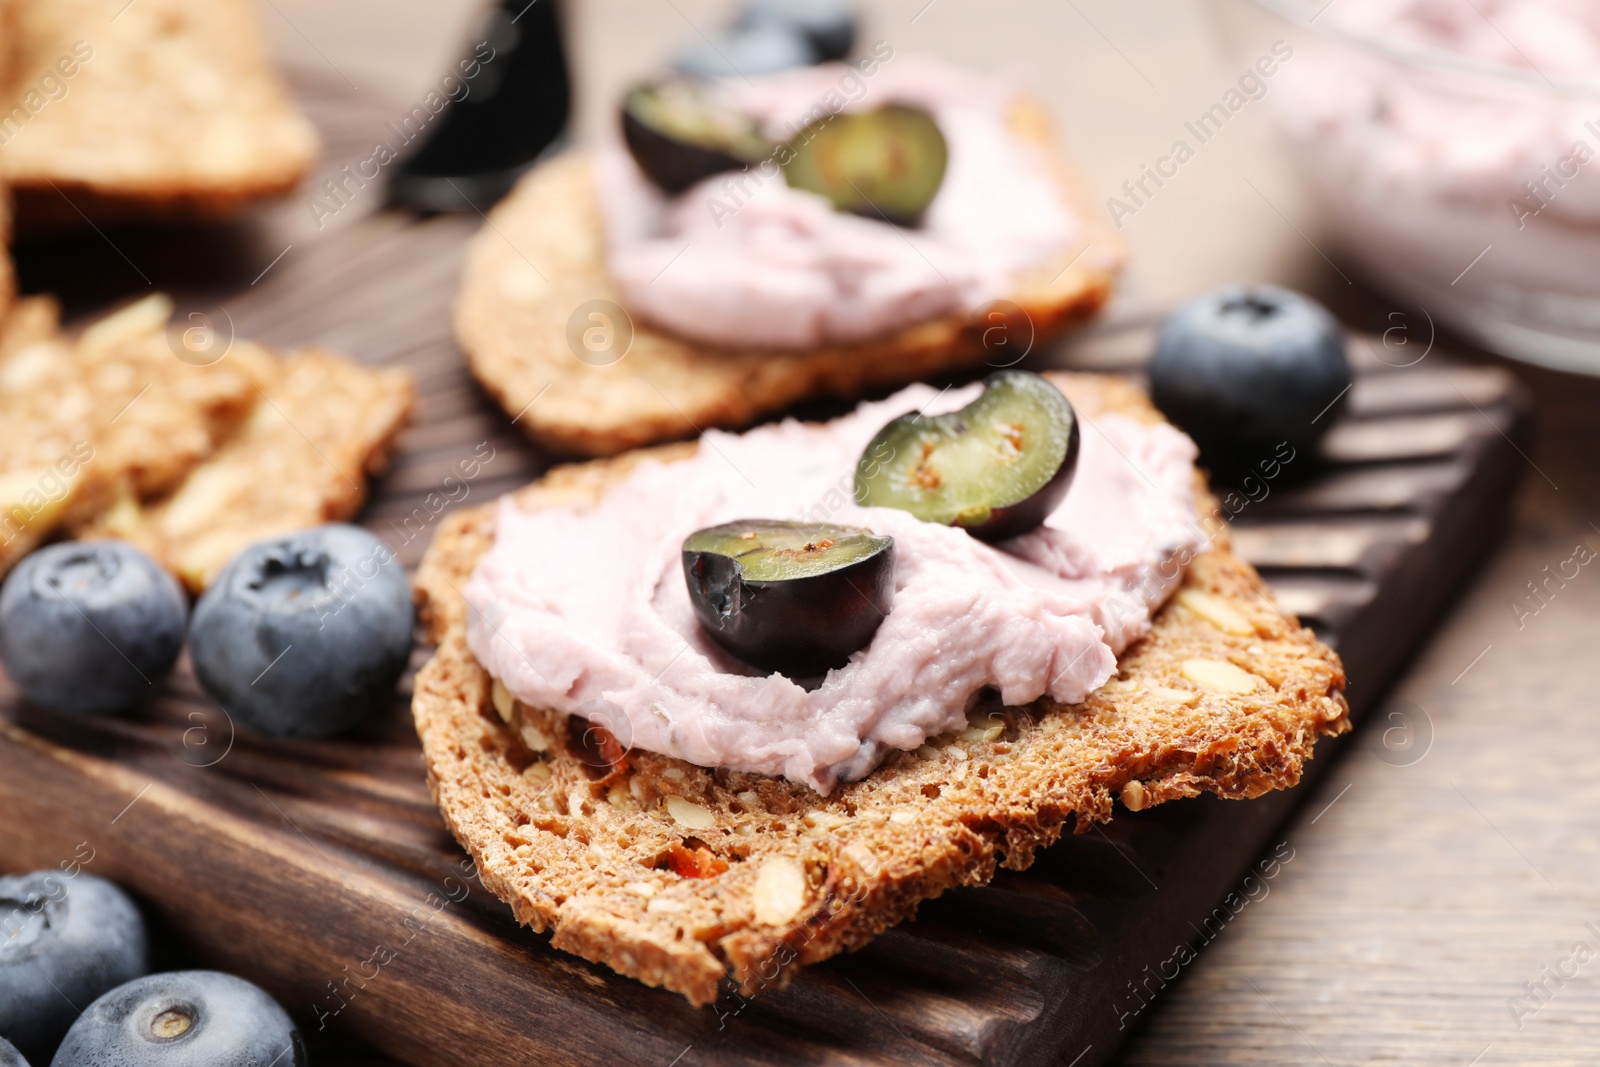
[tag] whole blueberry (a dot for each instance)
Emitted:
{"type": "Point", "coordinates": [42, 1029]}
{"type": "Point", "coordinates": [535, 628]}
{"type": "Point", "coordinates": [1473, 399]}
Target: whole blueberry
{"type": "Point", "coordinates": [1253, 373]}
{"type": "Point", "coordinates": [88, 627]}
{"type": "Point", "coordinates": [183, 1019]}
{"type": "Point", "coordinates": [9, 1056]}
{"type": "Point", "coordinates": [830, 25]}
{"type": "Point", "coordinates": [761, 48]}
{"type": "Point", "coordinates": [300, 636]}
{"type": "Point", "coordinates": [64, 940]}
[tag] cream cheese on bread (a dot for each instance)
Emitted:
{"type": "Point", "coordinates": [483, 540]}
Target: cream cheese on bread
{"type": "Point", "coordinates": [575, 605]}
{"type": "Point", "coordinates": [743, 259]}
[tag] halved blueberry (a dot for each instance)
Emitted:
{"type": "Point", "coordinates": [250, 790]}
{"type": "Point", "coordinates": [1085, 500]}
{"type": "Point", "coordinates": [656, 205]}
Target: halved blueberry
{"type": "Point", "coordinates": [301, 636]}
{"type": "Point", "coordinates": [679, 134]}
{"type": "Point", "coordinates": [885, 164]}
{"type": "Point", "coordinates": [792, 597]}
{"type": "Point", "coordinates": [9, 1056]}
{"type": "Point", "coordinates": [89, 627]}
{"type": "Point", "coordinates": [184, 1019]}
{"type": "Point", "coordinates": [997, 468]}
{"type": "Point", "coordinates": [1247, 369]}
{"type": "Point", "coordinates": [64, 940]}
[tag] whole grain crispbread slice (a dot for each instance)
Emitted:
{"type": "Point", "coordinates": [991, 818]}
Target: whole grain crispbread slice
{"type": "Point", "coordinates": [163, 108]}
{"type": "Point", "coordinates": [682, 876]}
{"type": "Point", "coordinates": [318, 427]}
{"type": "Point", "coordinates": [542, 255]}
{"type": "Point", "coordinates": [125, 431]}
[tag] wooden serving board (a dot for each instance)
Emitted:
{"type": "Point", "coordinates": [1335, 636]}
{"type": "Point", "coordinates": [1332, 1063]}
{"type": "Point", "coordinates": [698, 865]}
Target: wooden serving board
{"type": "Point", "coordinates": [322, 871]}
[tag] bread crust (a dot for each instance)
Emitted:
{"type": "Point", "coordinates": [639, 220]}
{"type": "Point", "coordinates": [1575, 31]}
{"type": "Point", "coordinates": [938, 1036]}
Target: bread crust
{"type": "Point", "coordinates": [541, 256]}
{"type": "Point", "coordinates": [593, 855]}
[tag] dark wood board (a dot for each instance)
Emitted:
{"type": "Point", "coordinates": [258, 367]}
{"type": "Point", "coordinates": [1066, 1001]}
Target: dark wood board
{"type": "Point", "coordinates": [295, 864]}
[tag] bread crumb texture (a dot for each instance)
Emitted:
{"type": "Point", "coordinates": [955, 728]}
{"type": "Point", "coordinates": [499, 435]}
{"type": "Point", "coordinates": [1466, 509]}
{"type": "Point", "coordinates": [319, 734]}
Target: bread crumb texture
{"type": "Point", "coordinates": [682, 876]}
{"type": "Point", "coordinates": [543, 256]}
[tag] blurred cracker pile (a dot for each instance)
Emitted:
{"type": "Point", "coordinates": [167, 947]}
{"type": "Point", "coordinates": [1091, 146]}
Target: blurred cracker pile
{"type": "Point", "coordinates": [193, 455]}
{"type": "Point", "coordinates": [155, 109]}
{"type": "Point", "coordinates": [112, 111]}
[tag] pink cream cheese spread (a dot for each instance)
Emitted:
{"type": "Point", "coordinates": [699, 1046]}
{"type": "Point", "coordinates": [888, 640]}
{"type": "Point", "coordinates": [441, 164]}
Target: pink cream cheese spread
{"type": "Point", "coordinates": [741, 259]}
{"type": "Point", "coordinates": [576, 605]}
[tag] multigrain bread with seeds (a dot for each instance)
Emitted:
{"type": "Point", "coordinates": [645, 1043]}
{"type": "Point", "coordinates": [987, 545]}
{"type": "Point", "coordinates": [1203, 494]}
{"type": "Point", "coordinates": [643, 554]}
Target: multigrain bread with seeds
{"type": "Point", "coordinates": [681, 876]}
{"type": "Point", "coordinates": [542, 255]}
{"type": "Point", "coordinates": [155, 109]}
{"type": "Point", "coordinates": [321, 427]}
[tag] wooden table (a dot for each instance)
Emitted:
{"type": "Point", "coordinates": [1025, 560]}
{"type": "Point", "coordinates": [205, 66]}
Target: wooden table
{"type": "Point", "coordinates": [1422, 896]}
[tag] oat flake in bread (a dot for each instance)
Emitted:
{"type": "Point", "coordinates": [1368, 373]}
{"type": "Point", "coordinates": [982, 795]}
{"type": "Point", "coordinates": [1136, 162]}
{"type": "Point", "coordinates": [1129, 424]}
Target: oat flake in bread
{"type": "Point", "coordinates": [681, 876]}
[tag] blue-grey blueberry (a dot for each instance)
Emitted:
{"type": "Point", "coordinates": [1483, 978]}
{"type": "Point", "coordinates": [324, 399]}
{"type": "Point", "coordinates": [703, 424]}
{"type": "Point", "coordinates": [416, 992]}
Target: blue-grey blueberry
{"type": "Point", "coordinates": [89, 627]}
{"type": "Point", "coordinates": [64, 940]}
{"type": "Point", "coordinates": [303, 635]}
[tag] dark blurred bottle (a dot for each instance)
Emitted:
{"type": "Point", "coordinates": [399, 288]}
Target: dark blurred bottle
{"type": "Point", "coordinates": [517, 104]}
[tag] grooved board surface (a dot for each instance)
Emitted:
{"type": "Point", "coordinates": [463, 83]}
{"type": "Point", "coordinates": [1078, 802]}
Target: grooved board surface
{"type": "Point", "coordinates": [322, 870]}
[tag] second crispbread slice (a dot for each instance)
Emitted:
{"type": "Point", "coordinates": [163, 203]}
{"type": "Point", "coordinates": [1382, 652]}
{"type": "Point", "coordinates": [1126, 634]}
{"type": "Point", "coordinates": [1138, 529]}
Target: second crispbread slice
{"type": "Point", "coordinates": [541, 258]}
{"type": "Point", "coordinates": [320, 426]}
{"type": "Point", "coordinates": [160, 108]}
{"type": "Point", "coordinates": [681, 876]}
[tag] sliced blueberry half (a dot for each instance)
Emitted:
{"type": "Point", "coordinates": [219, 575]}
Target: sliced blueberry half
{"type": "Point", "coordinates": [885, 164]}
{"type": "Point", "coordinates": [997, 468]}
{"type": "Point", "coordinates": [679, 134]}
{"type": "Point", "coordinates": [793, 597]}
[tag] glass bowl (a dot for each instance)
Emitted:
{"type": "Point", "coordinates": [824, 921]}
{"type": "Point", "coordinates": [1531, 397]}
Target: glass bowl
{"type": "Point", "coordinates": [1469, 188]}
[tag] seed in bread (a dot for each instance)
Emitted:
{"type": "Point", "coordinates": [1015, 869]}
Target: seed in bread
{"type": "Point", "coordinates": [319, 427]}
{"type": "Point", "coordinates": [160, 108]}
{"type": "Point", "coordinates": [542, 256]}
{"type": "Point", "coordinates": [681, 876]}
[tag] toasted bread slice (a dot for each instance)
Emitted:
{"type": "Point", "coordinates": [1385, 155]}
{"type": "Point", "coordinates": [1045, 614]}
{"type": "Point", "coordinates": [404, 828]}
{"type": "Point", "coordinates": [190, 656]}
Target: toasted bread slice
{"type": "Point", "coordinates": [159, 108]}
{"type": "Point", "coordinates": [317, 429]}
{"type": "Point", "coordinates": [542, 255]}
{"type": "Point", "coordinates": [680, 876]}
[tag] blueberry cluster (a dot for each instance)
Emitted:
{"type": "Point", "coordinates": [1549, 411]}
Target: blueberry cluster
{"type": "Point", "coordinates": [300, 636]}
{"type": "Point", "coordinates": [69, 940]}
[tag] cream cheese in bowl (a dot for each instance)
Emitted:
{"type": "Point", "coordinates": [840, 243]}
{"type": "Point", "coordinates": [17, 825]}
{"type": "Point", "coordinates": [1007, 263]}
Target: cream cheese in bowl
{"type": "Point", "coordinates": [1452, 150]}
{"type": "Point", "coordinates": [575, 605]}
